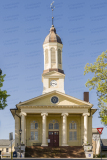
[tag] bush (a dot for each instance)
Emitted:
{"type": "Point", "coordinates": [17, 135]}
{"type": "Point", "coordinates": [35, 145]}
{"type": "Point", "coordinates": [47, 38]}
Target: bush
{"type": "Point", "coordinates": [99, 156]}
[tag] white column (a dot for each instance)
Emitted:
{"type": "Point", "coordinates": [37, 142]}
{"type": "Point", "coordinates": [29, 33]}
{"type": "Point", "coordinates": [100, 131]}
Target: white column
{"type": "Point", "coordinates": [23, 127]}
{"type": "Point", "coordinates": [56, 58]}
{"type": "Point", "coordinates": [44, 142]}
{"type": "Point", "coordinates": [64, 129]}
{"type": "Point", "coordinates": [85, 127]}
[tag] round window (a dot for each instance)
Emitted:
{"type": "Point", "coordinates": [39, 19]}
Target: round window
{"type": "Point", "coordinates": [54, 99]}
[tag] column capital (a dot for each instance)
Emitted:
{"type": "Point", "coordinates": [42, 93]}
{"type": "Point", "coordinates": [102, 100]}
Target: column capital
{"type": "Point", "coordinates": [44, 114]}
{"type": "Point", "coordinates": [23, 113]}
{"type": "Point", "coordinates": [64, 114]}
{"type": "Point", "coordinates": [86, 114]}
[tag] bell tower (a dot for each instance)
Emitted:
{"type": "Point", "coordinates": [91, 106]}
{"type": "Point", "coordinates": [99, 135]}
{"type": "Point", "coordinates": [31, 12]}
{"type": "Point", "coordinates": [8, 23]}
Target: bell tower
{"type": "Point", "coordinates": [52, 51]}
{"type": "Point", "coordinates": [53, 75]}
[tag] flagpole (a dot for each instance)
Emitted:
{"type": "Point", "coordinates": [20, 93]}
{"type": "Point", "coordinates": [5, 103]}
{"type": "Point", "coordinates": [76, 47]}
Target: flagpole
{"type": "Point", "coordinates": [100, 147]}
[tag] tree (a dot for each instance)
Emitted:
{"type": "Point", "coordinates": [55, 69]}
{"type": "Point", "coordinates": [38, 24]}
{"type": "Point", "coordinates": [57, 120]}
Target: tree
{"type": "Point", "coordinates": [3, 94]}
{"type": "Point", "coordinates": [99, 82]}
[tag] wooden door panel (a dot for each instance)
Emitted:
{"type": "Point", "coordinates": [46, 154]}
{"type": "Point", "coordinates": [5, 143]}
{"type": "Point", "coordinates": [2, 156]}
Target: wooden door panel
{"type": "Point", "coordinates": [54, 138]}
{"type": "Point", "coordinates": [51, 137]}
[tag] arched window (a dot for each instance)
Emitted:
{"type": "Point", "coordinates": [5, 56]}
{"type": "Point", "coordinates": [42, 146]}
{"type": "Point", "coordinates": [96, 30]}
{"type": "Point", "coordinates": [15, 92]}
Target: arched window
{"type": "Point", "coordinates": [53, 57]}
{"type": "Point", "coordinates": [53, 124]}
{"type": "Point", "coordinates": [34, 130]}
{"type": "Point", "coordinates": [46, 56]}
{"type": "Point", "coordinates": [59, 56]}
{"type": "Point", "coordinates": [72, 131]}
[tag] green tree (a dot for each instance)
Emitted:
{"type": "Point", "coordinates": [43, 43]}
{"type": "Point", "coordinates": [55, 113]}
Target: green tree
{"type": "Point", "coordinates": [3, 94]}
{"type": "Point", "coordinates": [99, 82]}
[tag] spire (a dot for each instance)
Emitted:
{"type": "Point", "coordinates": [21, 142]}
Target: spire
{"type": "Point", "coordinates": [52, 7]}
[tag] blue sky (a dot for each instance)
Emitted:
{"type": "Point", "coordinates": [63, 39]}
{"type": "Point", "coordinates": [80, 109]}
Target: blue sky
{"type": "Point", "coordinates": [82, 26]}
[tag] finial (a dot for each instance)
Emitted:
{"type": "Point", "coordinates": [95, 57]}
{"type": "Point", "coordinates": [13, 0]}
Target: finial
{"type": "Point", "coordinates": [52, 7]}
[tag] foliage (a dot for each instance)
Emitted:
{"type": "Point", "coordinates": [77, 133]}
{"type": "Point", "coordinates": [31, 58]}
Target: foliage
{"type": "Point", "coordinates": [99, 156]}
{"type": "Point", "coordinates": [3, 94]}
{"type": "Point", "coordinates": [99, 82]}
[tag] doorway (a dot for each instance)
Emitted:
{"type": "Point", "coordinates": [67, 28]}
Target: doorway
{"type": "Point", "coordinates": [54, 138]}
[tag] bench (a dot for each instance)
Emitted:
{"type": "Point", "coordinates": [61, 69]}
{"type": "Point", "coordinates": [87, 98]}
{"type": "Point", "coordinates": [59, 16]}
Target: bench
{"type": "Point", "coordinates": [36, 144]}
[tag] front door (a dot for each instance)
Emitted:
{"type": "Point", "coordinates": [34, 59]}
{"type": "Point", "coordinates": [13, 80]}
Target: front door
{"type": "Point", "coordinates": [54, 138]}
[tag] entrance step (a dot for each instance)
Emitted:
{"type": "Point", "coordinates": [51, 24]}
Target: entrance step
{"type": "Point", "coordinates": [59, 152]}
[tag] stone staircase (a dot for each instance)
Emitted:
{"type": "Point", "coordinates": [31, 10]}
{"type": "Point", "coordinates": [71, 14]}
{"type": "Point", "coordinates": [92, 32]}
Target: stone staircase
{"type": "Point", "coordinates": [50, 152]}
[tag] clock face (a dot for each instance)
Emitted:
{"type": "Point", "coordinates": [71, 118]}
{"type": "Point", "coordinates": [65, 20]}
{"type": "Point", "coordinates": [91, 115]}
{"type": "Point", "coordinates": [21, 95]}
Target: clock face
{"type": "Point", "coordinates": [53, 83]}
{"type": "Point", "coordinates": [54, 99]}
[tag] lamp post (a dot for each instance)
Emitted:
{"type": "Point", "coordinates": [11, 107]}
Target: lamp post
{"type": "Point", "coordinates": [0, 72]}
{"type": "Point", "coordinates": [20, 131]}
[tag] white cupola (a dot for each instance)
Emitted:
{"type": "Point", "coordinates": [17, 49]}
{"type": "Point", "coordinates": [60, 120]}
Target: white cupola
{"type": "Point", "coordinates": [52, 51]}
{"type": "Point", "coordinates": [52, 48]}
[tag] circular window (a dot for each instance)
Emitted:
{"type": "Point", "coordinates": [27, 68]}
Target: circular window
{"type": "Point", "coordinates": [54, 99]}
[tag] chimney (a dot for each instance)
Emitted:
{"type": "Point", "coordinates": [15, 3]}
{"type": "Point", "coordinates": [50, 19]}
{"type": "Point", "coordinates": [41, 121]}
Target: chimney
{"type": "Point", "coordinates": [86, 96]}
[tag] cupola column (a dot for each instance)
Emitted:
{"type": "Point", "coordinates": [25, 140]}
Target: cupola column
{"type": "Point", "coordinates": [49, 58]}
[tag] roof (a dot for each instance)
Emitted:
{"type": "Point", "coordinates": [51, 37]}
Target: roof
{"type": "Point", "coordinates": [60, 93]}
{"type": "Point", "coordinates": [104, 141]}
{"type": "Point", "coordinates": [52, 36]}
{"type": "Point", "coordinates": [95, 131]}
{"type": "Point", "coordinates": [5, 142]}
{"type": "Point", "coordinates": [36, 102]}
{"type": "Point", "coordinates": [104, 144]}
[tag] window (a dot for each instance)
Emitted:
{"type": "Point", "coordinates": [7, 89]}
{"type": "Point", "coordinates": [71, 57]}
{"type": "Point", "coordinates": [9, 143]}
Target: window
{"type": "Point", "coordinates": [50, 125]}
{"type": "Point", "coordinates": [56, 126]}
{"type": "Point", "coordinates": [53, 124]}
{"type": "Point", "coordinates": [36, 135]}
{"type": "Point", "coordinates": [72, 131]}
{"type": "Point", "coordinates": [46, 56]}
{"type": "Point", "coordinates": [34, 130]}
{"type": "Point", "coordinates": [59, 56]}
{"type": "Point", "coordinates": [72, 125]}
{"type": "Point", "coordinates": [36, 125]}
{"type": "Point", "coordinates": [7, 150]}
{"type": "Point", "coordinates": [32, 135]}
{"type": "Point", "coordinates": [53, 57]}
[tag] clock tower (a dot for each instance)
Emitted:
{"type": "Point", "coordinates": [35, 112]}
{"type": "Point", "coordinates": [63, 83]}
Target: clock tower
{"type": "Point", "coordinates": [53, 75]}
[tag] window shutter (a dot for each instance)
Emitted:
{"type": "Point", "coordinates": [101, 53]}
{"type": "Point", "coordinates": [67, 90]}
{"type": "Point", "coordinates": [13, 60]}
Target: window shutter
{"type": "Point", "coordinates": [59, 56]}
{"type": "Point", "coordinates": [46, 56]}
{"type": "Point", "coordinates": [53, 57]}
{"type": "Point", "coordinates": [70, 135]}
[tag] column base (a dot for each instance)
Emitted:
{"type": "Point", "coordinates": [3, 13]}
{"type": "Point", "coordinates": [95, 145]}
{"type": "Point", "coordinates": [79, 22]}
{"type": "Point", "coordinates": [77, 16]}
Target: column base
{"type": "Point", "coordinates": [65, 145]}
{"type": "Point", "coordinates": [44, 144]}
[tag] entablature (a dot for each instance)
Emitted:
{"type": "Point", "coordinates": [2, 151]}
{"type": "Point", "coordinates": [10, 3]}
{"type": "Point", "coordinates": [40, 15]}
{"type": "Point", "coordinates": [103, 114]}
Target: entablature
{"type": "Point", "coordinates": [54, 110]}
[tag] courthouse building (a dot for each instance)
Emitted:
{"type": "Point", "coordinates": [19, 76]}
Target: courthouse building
{"type": "Point", "coordinates": [54, 118]}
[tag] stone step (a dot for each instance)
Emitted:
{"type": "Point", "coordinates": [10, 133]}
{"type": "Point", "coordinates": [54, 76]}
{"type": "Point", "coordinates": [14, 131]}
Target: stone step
{"type": "Point", "coordinates": [59, 152]}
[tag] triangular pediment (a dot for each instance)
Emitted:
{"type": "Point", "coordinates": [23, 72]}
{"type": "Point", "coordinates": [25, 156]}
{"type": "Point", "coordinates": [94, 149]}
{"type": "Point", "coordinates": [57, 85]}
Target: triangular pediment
{"type": "Point", "coordinates": [63, 100]}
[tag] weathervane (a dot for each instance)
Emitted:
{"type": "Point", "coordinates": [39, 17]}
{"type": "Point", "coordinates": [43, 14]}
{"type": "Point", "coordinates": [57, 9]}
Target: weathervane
{"type": "Point", "coordinates": [52, 7]}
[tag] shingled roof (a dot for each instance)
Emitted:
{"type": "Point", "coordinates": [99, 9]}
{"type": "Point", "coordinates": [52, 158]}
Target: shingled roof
{"type": "Point", "coordinates": [5, 142]}
{"type": "Point", "coordinates": [104, 144]}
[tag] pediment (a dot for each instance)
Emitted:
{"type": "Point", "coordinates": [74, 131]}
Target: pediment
{"type": "Point", "coordinates": [64, 100]}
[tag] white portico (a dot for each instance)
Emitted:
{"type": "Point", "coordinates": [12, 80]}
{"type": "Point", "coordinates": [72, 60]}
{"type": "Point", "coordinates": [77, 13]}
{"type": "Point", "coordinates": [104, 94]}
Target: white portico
{"type": "Point", "coordinates": [54, 118]}
{"type": "Point", "coordinates": [70, 119]}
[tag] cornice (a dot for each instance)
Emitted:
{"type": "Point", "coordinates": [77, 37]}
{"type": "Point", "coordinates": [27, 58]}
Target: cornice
{"type": "Point", "coordinates": [54, 106]}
